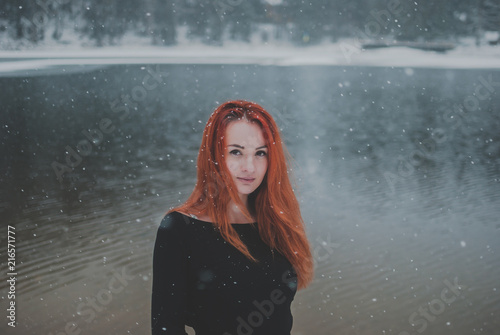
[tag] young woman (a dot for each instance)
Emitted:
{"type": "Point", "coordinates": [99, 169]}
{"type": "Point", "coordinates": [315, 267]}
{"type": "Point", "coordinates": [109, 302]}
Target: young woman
{"type": "Point", "coordinates": [230, 259]}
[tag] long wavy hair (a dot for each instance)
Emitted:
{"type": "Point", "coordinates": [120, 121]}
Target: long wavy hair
{"type": "Point", "coordinates": [273, 204]}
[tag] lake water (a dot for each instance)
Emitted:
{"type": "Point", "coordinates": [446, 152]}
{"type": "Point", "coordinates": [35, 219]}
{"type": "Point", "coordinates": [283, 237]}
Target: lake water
{"type": "Point", "coordinates": [397, 172]}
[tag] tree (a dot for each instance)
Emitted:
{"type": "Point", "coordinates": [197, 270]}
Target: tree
{"type": "Point", "coordinates": [240, 19]}
{"type": "Point", "coordinates": [28, 22]}
{"type": "Point", "coordinates": [107, 19]}
{"type": "Point", "coordinates": [164, 22]}
{"type": "Point", "coordinates": [489, 17]}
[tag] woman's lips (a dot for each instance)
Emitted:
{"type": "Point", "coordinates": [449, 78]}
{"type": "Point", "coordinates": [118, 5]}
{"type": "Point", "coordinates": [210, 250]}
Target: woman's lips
{"type": "Point", "coordinates": [246, 180]}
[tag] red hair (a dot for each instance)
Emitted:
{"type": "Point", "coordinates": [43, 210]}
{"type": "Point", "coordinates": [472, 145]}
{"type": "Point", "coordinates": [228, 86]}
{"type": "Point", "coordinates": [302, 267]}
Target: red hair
{"type": "Point", "coordinates": [273, 203]}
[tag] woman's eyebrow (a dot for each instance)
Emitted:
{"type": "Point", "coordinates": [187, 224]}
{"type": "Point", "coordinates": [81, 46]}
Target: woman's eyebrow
{"type": "Point", "coordinates": [242, 147]}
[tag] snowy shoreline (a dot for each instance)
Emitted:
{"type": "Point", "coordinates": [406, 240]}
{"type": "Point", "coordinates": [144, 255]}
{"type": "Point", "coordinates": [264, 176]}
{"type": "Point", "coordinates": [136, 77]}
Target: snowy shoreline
{"type": "Point", "coordinates": [344, 53]}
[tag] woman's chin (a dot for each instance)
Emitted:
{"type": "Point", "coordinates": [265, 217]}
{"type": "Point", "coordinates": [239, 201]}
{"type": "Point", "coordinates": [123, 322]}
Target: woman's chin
{"type": "Point", "coordinates": [246, 190]}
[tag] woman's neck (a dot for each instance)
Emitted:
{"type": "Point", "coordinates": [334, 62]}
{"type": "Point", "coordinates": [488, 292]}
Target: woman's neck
{"type": "Point", "coordinates": [235, 214]}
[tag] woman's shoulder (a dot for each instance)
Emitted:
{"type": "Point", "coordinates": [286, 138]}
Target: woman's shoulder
{"type": "Point", "coordinates": [181, 227]}
{"type": "Point", "coordinates": [180, 220]}
{"type": "Point", "coordinates": [174, 226]}
{"type": "Point", "coordinates": [173, 220]}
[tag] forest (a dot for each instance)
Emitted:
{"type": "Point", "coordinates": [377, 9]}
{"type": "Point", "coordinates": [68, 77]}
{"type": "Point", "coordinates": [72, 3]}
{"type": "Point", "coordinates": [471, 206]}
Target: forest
{"type": "Point", "coordinates": [105, 22]}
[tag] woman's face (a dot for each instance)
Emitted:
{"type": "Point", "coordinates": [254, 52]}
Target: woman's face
{"type": "Point", "coordinates": [245, 155]}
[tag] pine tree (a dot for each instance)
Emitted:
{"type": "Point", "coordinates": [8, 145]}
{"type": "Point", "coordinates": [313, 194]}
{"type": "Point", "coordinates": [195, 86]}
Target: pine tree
{"type": "Point", "coordinates": [164, 22]}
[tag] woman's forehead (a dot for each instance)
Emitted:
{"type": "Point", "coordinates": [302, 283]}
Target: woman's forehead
{"type": "Point", "coordinates": [245, 134]}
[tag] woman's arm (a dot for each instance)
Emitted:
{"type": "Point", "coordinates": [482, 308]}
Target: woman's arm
{"type": "Point", "coordinates": [169, 298]}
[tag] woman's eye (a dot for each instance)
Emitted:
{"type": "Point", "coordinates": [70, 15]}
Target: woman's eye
{"type": "Point", "coordinates": [261, 153]}
{"type": "Point", "coordinates": [235, 152]}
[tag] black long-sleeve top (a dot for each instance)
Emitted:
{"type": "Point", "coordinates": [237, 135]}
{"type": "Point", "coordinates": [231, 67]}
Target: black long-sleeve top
{"type": "Point", "coordinates": [202, 281]}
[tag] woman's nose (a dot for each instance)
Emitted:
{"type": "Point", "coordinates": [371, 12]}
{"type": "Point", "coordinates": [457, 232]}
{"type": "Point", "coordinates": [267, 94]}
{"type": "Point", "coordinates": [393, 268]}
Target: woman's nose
{"type": "Point", "coordinates": [248, 164]}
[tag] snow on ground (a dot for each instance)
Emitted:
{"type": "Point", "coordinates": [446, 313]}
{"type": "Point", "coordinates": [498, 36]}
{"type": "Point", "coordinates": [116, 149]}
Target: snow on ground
{"type": "Point", "coordinates": [342, 53]}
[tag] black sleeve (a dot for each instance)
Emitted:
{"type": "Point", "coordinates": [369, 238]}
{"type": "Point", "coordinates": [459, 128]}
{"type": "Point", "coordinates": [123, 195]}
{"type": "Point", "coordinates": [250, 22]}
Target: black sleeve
{"type": "Point", "coordinates": [169, 298]}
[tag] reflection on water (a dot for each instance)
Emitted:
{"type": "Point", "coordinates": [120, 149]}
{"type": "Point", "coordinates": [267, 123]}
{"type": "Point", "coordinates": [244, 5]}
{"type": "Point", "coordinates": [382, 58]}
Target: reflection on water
{"type": "Point", "coordinates": [397, 172]}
